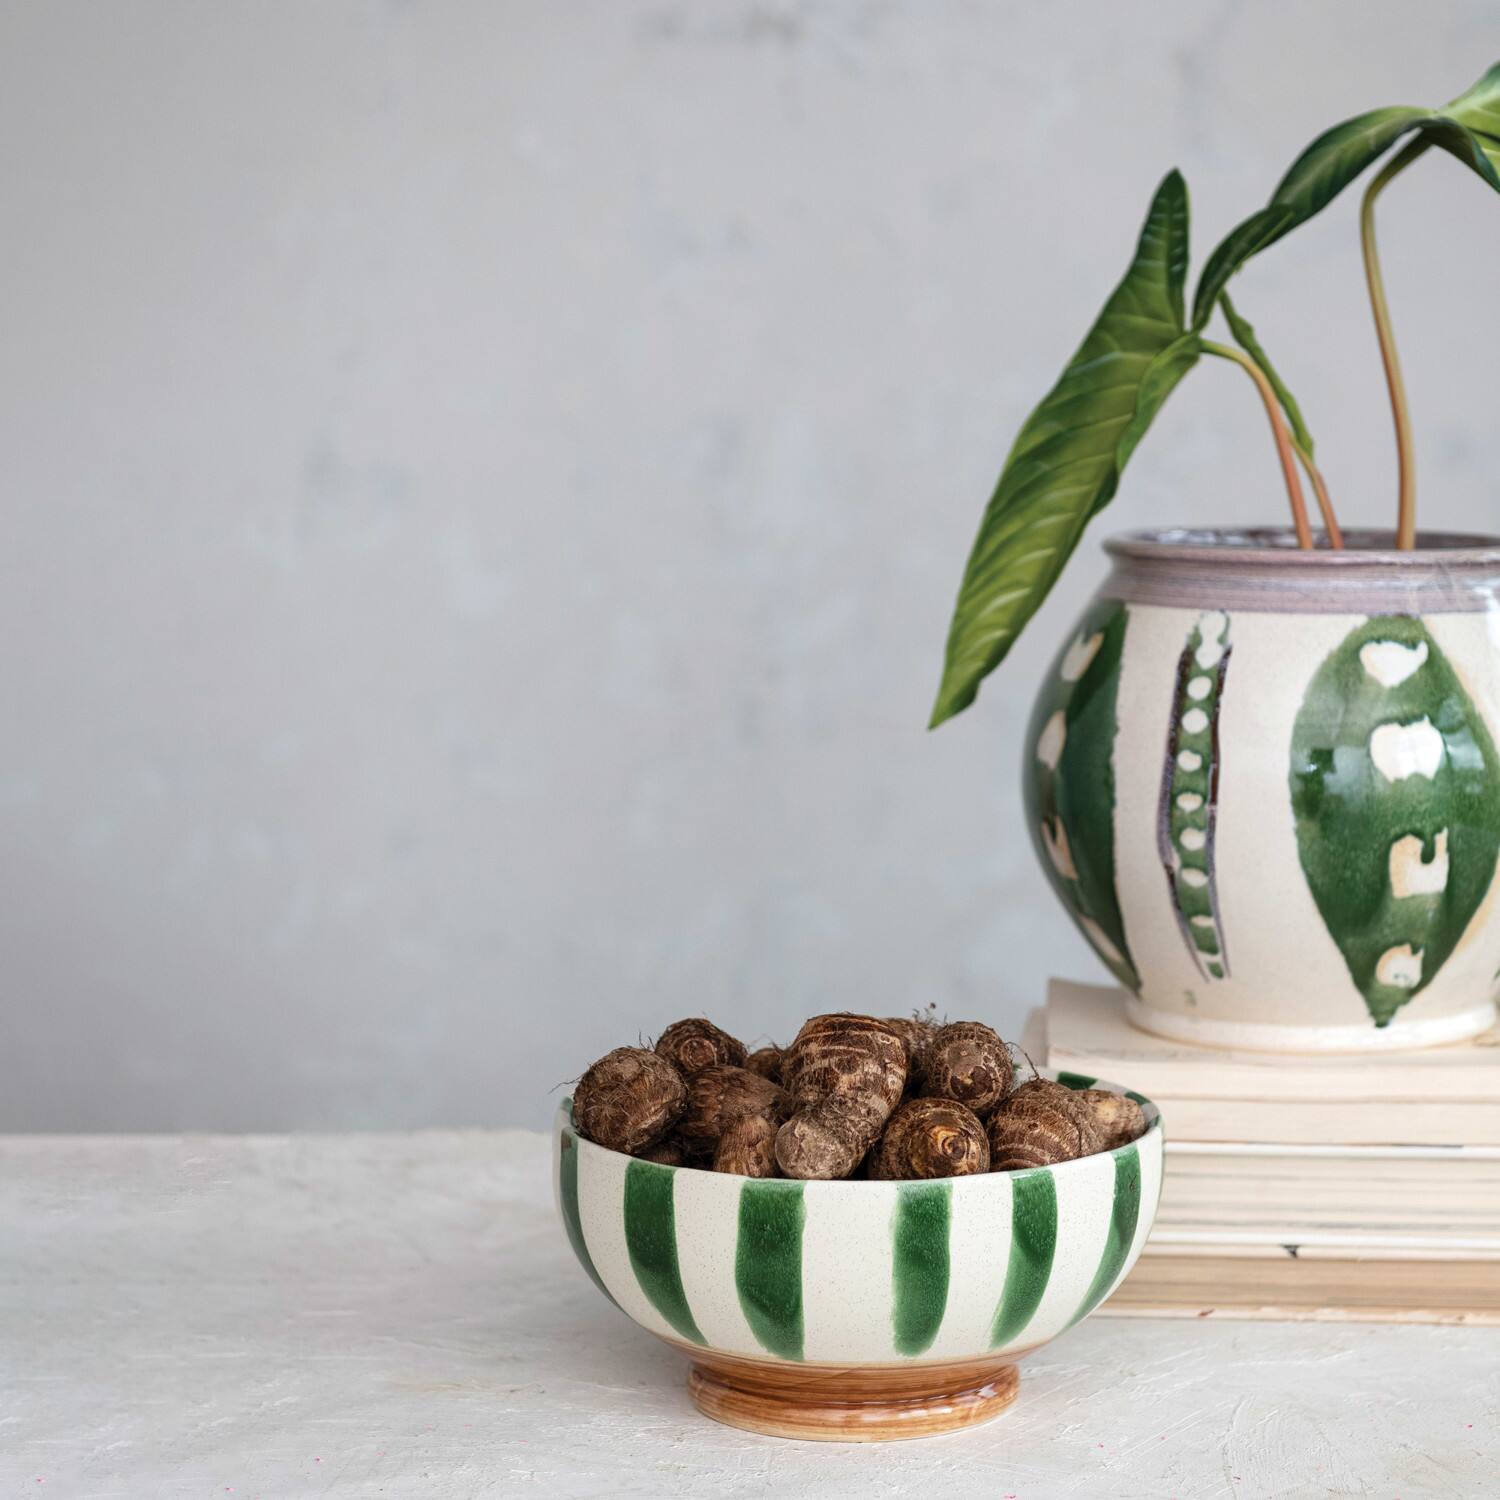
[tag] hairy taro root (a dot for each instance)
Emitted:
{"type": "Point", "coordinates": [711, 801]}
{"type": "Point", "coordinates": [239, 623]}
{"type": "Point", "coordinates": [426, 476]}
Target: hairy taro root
{"type": "Point", "coordinates": [931, 1138]}
{"type": "Point", "coordinates": [766, 1061]}
{"type": "Point", "coordinates": [1117, 1119]}
{"type": "Point", "coordinates": [893, 1099]}
{"type": "Point", "coordinates": [845, 1054]}
{"type": "Point", "coordinates": [916, 1032]}
{"type": "Point", "coordinates": [1060, 1096]}
{"type": "Point", "coordinates": [844, 1074]}
{"type": "Point", "coordinates": [966, 1061]}
{"type": "Point", "coordinates": [748, 1146]}
{"type": "Point", "coordinates": [830, 1137]}
{"type": "Point", "coordinates": [667, 1153]}
{"type": "Point", "coordinates": [1038, 1125]}
{"type": "Point", "coordinates": [696, 1043]}
{"type": "Point", "coordinates": [719, 1095]}
{"type": "Point", "coordinates": [629, 1099]}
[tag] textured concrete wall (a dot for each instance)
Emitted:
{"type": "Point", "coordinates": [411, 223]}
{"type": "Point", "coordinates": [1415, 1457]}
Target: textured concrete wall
{"type": "Point", "coordinates": [485, 484]}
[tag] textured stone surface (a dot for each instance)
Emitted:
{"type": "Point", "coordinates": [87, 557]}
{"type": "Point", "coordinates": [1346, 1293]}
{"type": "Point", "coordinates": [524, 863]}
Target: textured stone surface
{"type": "Point", "coordinates": [399, 1315]}
{"type": "Point", "coordinates": [485, 484]}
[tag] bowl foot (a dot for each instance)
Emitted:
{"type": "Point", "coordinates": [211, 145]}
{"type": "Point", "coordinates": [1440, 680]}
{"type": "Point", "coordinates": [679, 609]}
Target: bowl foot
{"type": "Point", "coordinates": [872, 1404]}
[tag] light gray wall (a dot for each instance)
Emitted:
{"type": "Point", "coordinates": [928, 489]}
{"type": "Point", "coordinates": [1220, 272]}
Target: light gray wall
{"type": "Point", "coordinates": [485, 483]}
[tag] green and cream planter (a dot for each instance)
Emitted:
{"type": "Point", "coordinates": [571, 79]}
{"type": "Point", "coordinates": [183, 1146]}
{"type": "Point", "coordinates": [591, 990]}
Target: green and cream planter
{"type": "Point", "coordinates": [1265, 784]}
{"type": "Point", "coordinates": [856, 1310]}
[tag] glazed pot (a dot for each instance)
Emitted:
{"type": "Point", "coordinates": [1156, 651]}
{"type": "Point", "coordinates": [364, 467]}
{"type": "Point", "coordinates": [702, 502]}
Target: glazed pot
{"type": "Point", "coordinates": [856, 1311]}
{"type": "Point", "coordinates": [1264, 783]}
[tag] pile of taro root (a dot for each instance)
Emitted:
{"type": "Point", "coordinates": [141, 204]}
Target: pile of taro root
{"type": "Point", "coordinates": [853, 1096]}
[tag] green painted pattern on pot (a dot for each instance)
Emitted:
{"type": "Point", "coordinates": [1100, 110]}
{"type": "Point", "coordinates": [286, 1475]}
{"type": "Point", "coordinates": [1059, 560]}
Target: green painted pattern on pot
{"type": "Point", "coordinates": [1395, 789]}
{"type": "Point", "coordinates": [1124, 1215]}
{"type": "Point", "coordinates": [919, 1264]}
{"type": "Point", "coordinates": [1188, 812]}
{"type": "Point", "coordinates": [768, 1264]}
{"type": "Point", "coordinates": [1069, 782]}
{"type": "Point", "coordinates": [1033, 1243]}
{"type": "Point", "coordinates": [651, 1238]}
{"type": "Point", "coordinates": [567, 1197]}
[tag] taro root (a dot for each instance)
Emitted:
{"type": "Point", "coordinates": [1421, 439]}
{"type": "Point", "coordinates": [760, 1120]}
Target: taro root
{"type": "Point", "coordinates": [931, 1138]}
{"type": "Point", "coordinates": [1039, 1125]}
{"type": "Point", "coordinates": [845, 1054]}
{"type": "Point", "coordinates": [720, 1095]}
{"type": "Point", "coordinates": [966, 1061]}
{"type": "Point", "coordinates": [1037, 1092]}
{"type": "Point", "coordinates": [695, 1044]}
{"type": "Point", "coordinates": [915, 1033]}
{"type": "Point", "coordinates": [748, 1146]}
{"type": "Point", "coordinates": [766, 1061]}
{"type": "Point", "coordinates": [628, 1100]}
{"type": "Point", "coordinates": [830, 1137]}
{"type": "Point", "coordinates": [845, 1074]}
{"type": "Point", "coordinates": [1118, 1120]}
{"type": "Point", "coordinates": [668, 1153]}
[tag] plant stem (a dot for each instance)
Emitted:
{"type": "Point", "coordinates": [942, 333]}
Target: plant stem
{"type": "Point", "coordinates": [1279, 432]}
{"type": "Point", "coordinates": [1325, 503]}
{"type": "Point", "coordinates": [1302, 443]}
{"type": "Point", "coordinates": [1406, 511]}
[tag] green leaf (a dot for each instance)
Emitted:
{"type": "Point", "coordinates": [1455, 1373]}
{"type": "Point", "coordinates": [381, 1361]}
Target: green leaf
{"type": "Point", "coordinates": [1246, 239]}
{"type": "Point", "coordinates": [1479, 153]}
{"type": "Point", "coordinates": [1065, 465]}
{"type": "Point", "coordinates": [1244, 336]}
{"type": "Point", "coordinates": [1478, 107]}
{"type": "Point", "coordinates": [1160, 380]}
{"type": "Point", "coordinates": [1468, 128]}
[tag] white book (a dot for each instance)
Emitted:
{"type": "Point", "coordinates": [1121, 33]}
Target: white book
{"type": "Point", "coordinates": [1165, 1244]}
{"type": "Point", "coordinates": [1319, 1122]}
{"type": "Point", "coordinates": [1447, 1097]}
{"type": "Point", "coordinates": [1412, 1198]}
{"type": "Point", "coordinates": [1087, 1032]}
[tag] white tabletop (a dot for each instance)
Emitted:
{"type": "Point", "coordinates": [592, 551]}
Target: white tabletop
{"type": "Point", "coordinates": [401, 1316]}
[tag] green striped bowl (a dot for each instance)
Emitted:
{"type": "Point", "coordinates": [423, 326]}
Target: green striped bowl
{"type": "Point", "coordinates": [858, 1273]}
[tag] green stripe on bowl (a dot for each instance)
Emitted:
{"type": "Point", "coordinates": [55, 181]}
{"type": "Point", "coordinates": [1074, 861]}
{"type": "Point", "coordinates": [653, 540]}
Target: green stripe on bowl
{"type": "Point", "coordinates": [1122, 1221]}
{"type": "Point", "coordinates": [768, 1264]}
{"type": "Point", "coordinates": [1033, 1242]}
{"type": "Point", "coordinates": [919, 1264]}
{"type": "Point", "coordinates": [651, 1237]}
{"type": "Point", "coordinates": [567, 1183]}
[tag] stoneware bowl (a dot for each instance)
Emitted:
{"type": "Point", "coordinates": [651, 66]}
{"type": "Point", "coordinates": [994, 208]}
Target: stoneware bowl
{"type": "Point", "coordinates": [1264, 782]}
{"type": "Point", "coordinates": [856, 1311]}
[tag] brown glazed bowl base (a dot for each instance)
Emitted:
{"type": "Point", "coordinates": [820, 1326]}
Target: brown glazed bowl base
{"type": "Point", "coordinates": [851, 1404]}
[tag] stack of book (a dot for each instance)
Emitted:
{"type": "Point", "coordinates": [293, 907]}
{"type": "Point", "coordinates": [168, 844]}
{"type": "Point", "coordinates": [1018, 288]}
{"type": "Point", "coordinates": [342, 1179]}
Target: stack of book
{"type": "Point", "coordinates": [1304, 1186]}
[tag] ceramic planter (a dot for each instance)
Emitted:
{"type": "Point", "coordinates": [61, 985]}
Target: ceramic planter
{"type": "Point", "coordinates": [1265, 785]}
{"type": "Point", "coordinates": [856, 1311]}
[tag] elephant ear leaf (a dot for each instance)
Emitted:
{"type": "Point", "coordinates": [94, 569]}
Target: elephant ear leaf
{"type": "Point", "coordinates": [1065, 464]}
{"type": "Point", "coordinates": [1312, 182]}
{"type": "Point", "coordinates": [1478, 108]}
{"type": "Point", "coordinates": [1468, 128]}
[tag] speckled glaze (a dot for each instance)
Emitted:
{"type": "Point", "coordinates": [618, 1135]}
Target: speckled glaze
{"type": "Point", "coordinates": [1265, 785]}
{"type": "Point", "coordinates": [917, 1296]}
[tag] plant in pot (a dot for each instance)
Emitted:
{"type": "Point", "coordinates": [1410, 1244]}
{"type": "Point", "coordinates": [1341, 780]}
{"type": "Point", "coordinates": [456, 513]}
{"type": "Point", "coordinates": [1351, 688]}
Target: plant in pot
{"type": "Point", "coordinates": [1262, 773]}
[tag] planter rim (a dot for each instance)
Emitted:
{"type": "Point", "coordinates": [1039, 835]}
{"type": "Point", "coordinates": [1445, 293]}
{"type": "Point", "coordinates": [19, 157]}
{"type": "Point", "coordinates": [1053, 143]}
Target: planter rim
{"type": "Point", "coordinates": [1252, 547]}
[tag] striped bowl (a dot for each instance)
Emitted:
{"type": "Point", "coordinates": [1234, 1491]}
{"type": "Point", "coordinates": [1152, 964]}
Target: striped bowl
{"type": "Point", "coordinates": [857, 1310]}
